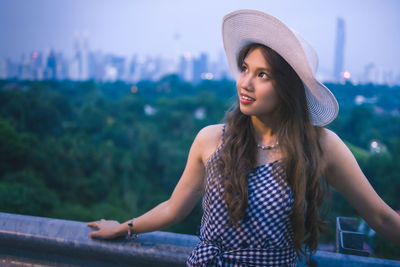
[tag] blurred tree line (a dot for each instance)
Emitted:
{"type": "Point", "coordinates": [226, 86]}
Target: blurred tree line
{"type": "Point", "coordinates": [87, 150]}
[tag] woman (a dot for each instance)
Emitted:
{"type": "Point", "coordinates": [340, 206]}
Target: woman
{"type": "Point", "coordinates": [263, 174]}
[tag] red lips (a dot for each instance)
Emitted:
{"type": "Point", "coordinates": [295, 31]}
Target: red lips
{"type": "Point", "coordinates": [245, 99]}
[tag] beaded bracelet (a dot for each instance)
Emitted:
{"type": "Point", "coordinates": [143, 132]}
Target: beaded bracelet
{"type": "Point", "coordinates": [130, 230]}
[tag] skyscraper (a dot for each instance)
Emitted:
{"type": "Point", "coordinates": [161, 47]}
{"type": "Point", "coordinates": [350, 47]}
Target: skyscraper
{"type": "Point", "coordinates": [51, 67]}
{"type": "Point", "coordinates": [185, 67]}
{"type": "Point", "coordinates": [79, 65]}
{"type": "Point", "coordinates": [339, 49]}
{"type": "Point", "coordinates": [84, 53]}
{"type": "Point", "coordinates": [200, 66]}
{"type": "Point", "coordinates": [37, 65]}
{"type": "Point", "coordinates": [3, 69]}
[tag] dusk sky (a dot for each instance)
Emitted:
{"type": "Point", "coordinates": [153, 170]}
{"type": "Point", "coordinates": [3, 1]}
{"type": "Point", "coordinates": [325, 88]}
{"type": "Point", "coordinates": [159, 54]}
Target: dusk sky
{"type": "Point", "coordinates": [169, 28]}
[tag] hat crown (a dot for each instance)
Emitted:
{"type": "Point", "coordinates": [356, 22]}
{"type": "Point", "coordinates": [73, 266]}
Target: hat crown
{"type": "Point", "coordinates": [311, 54]}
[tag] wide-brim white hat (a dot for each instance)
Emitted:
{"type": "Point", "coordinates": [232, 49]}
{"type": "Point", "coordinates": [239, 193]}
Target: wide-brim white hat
{"type": "Point", "coordinates": [242, 27]}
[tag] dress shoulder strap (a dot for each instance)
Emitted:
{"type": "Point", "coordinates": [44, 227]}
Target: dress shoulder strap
{"type": "Point", "coordinates": [223, 134]}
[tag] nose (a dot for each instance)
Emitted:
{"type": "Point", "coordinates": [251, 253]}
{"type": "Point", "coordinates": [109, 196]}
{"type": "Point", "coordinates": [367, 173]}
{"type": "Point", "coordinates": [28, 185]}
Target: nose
{"type": "Point", "coordinates": [245, 82]}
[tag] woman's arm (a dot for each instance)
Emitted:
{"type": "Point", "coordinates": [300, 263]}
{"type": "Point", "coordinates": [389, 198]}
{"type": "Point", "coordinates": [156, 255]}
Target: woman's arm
{"type": "Point", "coordinates": [156, 218]}
{"type": "Point", "coordinates": [344, 174]}
{"type": "Point", "coordinates": [183, 199]}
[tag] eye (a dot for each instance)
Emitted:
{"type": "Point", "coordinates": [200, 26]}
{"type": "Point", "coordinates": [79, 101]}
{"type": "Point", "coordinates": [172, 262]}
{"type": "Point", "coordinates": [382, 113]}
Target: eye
{"type": "Point", "coordinates": [243, 68]}
{"type": "Point", "coordinates": [263, 75]}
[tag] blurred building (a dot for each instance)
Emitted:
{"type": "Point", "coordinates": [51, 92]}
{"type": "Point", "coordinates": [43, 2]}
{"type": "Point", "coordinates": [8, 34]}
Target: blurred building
{"type": "Point", "coordinates": [37, 64]}
{"type": "Point", "coordinates": [114, 67]}
{"type": "Point", "coordinates": [79, 64]}
{"type": "Point", "coordinates": [339, 50]}
{"type": "Point", "coordinates": [200, 66]}
{"type": "Point", "coordinates": [12, 69]}
{"type": "Point", "coordinates": [85, 64]}
{"type": "Point", "coordinates": [3, 69]}
{"type": "Point", "coordinates": [50, 72]}
{"type": "Point", "coordinates": [185, 71]}
{"type": "Point", "coordinates": [25, 71]}
{"type": "Point", "coordinates": [96, 66]}
{"type": "Point", "coordinates": [377, 75]}
{"type": "Point", "coordinates": [220, 68]}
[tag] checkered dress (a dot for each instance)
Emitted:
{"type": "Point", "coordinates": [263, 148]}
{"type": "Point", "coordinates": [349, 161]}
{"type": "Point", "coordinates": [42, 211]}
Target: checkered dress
{"type": "Point", "coordinates": [264, 236]}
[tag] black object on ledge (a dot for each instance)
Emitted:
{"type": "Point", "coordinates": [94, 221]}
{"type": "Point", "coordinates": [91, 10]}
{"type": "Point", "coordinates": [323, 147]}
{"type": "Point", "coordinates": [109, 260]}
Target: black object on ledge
{"type": "Point", "coordinates": [348, 239]}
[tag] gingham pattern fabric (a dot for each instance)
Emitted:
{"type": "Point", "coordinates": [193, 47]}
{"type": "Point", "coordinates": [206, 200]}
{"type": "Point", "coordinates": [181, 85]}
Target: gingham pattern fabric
{"type": "Point", "coordinates": [264, 236]}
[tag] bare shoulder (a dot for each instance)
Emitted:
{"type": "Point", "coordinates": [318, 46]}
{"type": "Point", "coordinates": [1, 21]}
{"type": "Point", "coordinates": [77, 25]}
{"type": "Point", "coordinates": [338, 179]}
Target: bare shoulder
{"type": "Point", "coordinates": [333, 147]}
{"type": "Point", "coordinates": [331, 142]}
{"type": "Point", "coordinates": [329, 139]}
{"type": "Point", "coordinates": [209, 139]}
{"type": "Point", "coordinates": [336, 154]}
{"type": "Point", "coordinates": [211, 132]}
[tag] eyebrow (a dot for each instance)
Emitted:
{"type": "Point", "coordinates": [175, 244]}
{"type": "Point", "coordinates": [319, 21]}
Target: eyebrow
{"type": "Point", "coordinates": [259, 68]}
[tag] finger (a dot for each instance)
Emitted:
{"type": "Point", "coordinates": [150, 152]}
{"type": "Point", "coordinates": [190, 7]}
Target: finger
{"type": "Point", "coordinates": [94, 234]}
{"type": "Point", "coordinates": [93, 224]}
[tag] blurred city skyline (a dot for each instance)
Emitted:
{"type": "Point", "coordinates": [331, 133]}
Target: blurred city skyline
{"type": "Point", "coordinates": [170, 29]}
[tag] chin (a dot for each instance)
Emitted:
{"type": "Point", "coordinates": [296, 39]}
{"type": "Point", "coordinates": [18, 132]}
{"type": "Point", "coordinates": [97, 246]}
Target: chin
{"type": "Point", "coordinates": [246, 111]}
{"type": "Point", "coordinates": [258, 113]}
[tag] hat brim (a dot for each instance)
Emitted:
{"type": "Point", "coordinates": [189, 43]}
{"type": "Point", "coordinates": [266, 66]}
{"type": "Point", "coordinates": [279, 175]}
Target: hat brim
{"type": "Point", "coordinates": [270, 31]}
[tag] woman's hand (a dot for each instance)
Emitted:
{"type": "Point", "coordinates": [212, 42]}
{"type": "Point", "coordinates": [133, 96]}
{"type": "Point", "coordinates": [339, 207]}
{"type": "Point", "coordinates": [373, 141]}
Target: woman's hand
{"type": "Point", "coordinates": [107, 229]}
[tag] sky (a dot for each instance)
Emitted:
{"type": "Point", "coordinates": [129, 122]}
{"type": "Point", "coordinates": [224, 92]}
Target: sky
{"type": "Point", "coordinates": [171, 27]}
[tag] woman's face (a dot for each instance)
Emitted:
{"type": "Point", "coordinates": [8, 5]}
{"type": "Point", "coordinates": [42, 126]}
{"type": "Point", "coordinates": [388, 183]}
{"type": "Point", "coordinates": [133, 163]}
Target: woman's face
{"type": "Point", "coordinates": [256, 91]}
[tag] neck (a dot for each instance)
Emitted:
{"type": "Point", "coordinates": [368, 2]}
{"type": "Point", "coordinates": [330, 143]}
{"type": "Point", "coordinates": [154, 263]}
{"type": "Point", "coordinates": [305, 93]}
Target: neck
{"type": "Point", "coordinates": [265, 130]}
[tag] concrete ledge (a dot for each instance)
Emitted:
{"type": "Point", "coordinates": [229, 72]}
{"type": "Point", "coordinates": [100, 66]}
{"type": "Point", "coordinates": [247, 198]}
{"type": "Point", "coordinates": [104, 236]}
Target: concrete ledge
{"type": "Point", "coordinates": [331, 259]}
{"type": "Point", "coordinates": [27, 240]}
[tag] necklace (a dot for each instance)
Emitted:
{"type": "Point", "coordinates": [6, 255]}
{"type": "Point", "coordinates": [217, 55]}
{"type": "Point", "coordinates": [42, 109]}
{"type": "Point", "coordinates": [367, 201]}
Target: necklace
{"type": "Point", "coordinates": [268, 147]}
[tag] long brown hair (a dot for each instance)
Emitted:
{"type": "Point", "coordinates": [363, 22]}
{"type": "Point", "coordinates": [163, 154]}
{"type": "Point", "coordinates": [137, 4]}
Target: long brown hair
{"type": "Point", "coordinates": [300, 148]}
